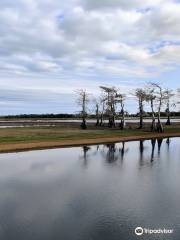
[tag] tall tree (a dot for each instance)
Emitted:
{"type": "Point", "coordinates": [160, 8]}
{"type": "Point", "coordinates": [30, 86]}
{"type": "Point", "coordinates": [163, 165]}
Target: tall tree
{"type": "Point", "coordinates": [140, 94]}
{"type": "Point", "coordinates": [160, 97]}
{"type": "Point", "coordinates": [82, 101]}
{"type": "Point", "coordinates": [102, 109]}
{"type": "Point", "coordinates": [151, 97]}
{"type": "Point", "coordinates": [120, 98]}
{"type": "Point", "coordinates": [97, 111]}
{"type": "Point", "coordinates": [168, 96]}
{"type": "Point", "coordinates": [97, 114]}
{"type": "Point", "coordinates": [110, 94]}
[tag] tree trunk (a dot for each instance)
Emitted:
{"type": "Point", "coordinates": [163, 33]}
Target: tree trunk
{"type": "Point", "coordinates": [113, 120]}
{"type": "Point", "coordinates": [121, 124]}
{"type": "Point", "coordinates": [110, 122]}
{"type": "Point", "coordinates": [168, 115]}
{"type": "Point", "coordinates": [141, 122]}
{"type": "Point", "coordinates": [140, 115]}
{"type": "Point", "coordinates": [97, 122]}
{"type": "Point", "coordinates": [159, 125]}
{"type": "Point", "coordinates": [153, 125]}
{"type": "Point", "coordinates": [97, 115]}
{"type": "Point", "coordinates": [101, 120]}
{"type": "Point", "coordinates": [168, 120]}
{"type": "Point", "coordinates": [83, 124]}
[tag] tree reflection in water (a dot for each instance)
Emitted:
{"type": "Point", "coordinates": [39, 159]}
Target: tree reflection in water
{"type": "Point", "coordinates": [159, 140]}
{"type": "Point", "coordinates": [141, 150]}
{"type": "Point", "coordinates": [153, 144]}
{"type": "Point", "coordinates": [114, 151]}
{"type": "Point", "coordinates": [111, 155]}
{"type": "Point", "coordinates": [168, 142]}
{"type": "Point", "coordinates": [122, 150]}
{"type": "Point", "coordinates": [85, 155]}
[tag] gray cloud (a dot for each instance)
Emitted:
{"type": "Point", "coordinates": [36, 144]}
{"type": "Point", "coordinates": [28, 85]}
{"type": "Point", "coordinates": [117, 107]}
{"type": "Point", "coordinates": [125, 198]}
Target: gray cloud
{"type": "Point", "coordinates": [130, 4]}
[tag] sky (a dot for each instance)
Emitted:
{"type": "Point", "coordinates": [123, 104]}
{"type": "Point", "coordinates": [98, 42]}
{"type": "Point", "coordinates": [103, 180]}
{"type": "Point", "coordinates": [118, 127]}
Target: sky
{"type": "Point", "coordinates": [50, 48]}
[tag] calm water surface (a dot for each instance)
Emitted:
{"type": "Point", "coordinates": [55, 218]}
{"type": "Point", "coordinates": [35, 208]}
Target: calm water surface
{"type": "Point", "coordinates": [91, 193]}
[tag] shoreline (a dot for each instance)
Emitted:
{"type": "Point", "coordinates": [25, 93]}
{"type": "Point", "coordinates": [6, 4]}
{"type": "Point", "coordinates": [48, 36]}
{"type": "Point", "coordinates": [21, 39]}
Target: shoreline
{"type": "Point", "coordinates": [43, 145]}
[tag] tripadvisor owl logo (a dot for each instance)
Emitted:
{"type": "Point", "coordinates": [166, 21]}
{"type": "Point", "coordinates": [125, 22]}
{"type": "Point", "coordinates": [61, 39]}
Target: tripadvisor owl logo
{"type": "Point", "coordinates": [139, 231]}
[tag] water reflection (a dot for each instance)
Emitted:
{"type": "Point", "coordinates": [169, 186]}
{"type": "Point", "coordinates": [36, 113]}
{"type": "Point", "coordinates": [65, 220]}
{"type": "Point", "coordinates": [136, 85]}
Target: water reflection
{"type": "Point", "coordinates": [141, 150]}
{"type": "Point", "coordinates": [159, 140]}
{"type": "Point", "coordinates": [168, 142]}
{"type": "Point", "coordinates": [91, 192]}
{"type": "Point", "coordinates": [114, 152]}
{"type": "Point", "coordinates": [153, 143]}
{"type": "Point", "coordinates": [122, 151]}
{"type": "Point", "coordinates": [85, 156]}
{"type": "Point", "coordinates": [112, 155]}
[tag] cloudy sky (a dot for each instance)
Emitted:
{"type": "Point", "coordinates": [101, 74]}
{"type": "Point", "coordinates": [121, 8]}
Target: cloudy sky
{"type": "Point", "coordinates": [49, 48]}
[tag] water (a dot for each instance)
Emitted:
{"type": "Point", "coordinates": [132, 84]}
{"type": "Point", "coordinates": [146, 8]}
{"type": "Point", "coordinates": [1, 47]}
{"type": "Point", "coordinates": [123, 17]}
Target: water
{"type": "Point", "coordinates": [91, 193]}
{"type": "Point", "coordinates": [56, 122]}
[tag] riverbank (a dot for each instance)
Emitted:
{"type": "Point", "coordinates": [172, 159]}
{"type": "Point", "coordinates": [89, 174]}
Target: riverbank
{"type": "Point", "coordinates": [33, 138]}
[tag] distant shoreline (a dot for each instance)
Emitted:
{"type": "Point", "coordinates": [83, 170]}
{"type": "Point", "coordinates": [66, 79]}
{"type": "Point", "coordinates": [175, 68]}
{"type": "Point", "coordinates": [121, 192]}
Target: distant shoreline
{"type": "Point", "coordinates": [10, 123]}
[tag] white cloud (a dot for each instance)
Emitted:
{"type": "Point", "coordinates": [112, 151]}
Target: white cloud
{"type": "Point", "coordinates": [87, 39]}
{"type": "Point", "coordinates": [66, 35]}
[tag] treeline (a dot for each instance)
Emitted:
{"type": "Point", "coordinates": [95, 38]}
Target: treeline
{"type": "Point", "coordinates": [77, 116]}
{"type": "Point", "coordinates": [163, 114]}
{"type": "Point", "coordinates": [34, 116]}
{"type": "Point", "coordinates": [111, 105]}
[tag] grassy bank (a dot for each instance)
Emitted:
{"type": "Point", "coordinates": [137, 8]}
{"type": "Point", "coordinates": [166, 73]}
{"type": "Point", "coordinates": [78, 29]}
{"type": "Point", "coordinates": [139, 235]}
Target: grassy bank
{"type": "Point", "coordinates": [18, 139]}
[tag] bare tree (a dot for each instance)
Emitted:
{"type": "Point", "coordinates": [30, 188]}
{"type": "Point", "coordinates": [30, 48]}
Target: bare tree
{"type": "Point", "coordinates": [102, 109]}
{"type": "Point", "coordinates": [110, 94]}
{"type": "Point", "coordinates": [151, 97]}
{"type": "Point", "coordinates": [120, 98]}
{"type": "Point", "coordinates": [97, 111]}
{"type": "Point", "coordinates": [82, 101]}
{"type": "Point", "coordinates": [140, 94]}
{"type": "Point", "coordinates": [160, 97]}
{"type": "Point", "coordinates": [97, 114]}
{"type": "Point", "coordinates": [168, 95]}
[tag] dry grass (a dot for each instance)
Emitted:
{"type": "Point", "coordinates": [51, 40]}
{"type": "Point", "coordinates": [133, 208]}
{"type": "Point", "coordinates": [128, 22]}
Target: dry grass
{"type": "Point", "coordinates": [18, 139]}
